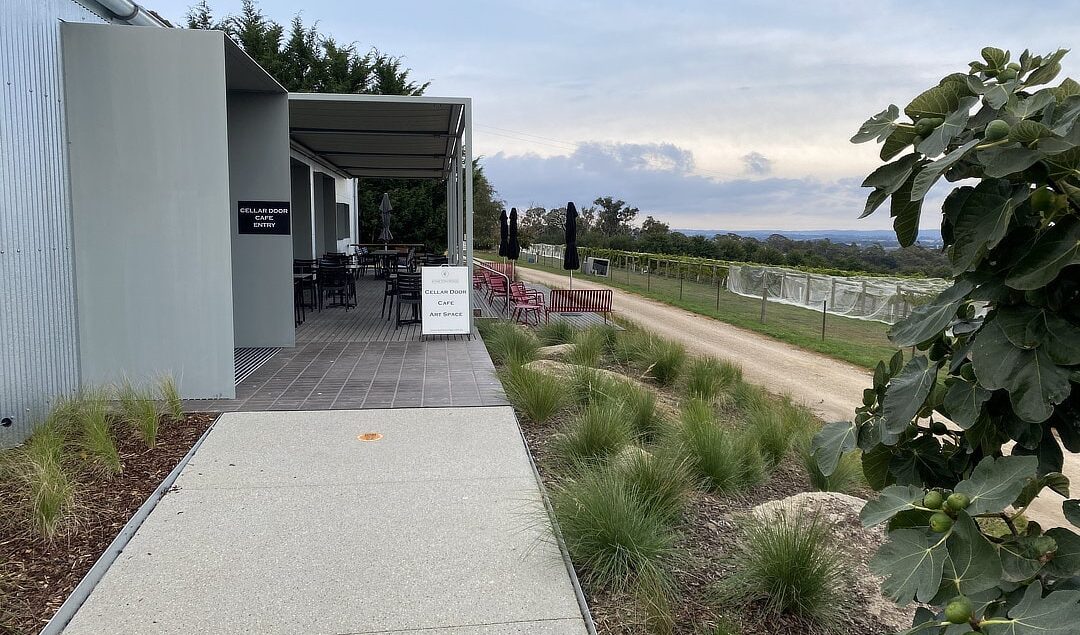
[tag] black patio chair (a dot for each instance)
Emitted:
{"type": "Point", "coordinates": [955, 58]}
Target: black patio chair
{"type": "Point", "coordinates": [336, 281]}
{"type": "Point", "coordinates": [307, 268]}
{"type": "Point", "coordinates": [389, 292]}
{"type": "Point", "coordinates": [408, 293]}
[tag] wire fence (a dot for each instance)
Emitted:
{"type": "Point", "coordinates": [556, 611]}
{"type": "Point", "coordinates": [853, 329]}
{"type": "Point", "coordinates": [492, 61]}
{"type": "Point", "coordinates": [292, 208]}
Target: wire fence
{"type": "Point", "coordinates": [703, 281]}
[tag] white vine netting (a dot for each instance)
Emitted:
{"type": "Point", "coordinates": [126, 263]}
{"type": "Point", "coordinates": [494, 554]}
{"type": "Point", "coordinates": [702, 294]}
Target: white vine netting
{"type": "Point", "coordinates": [865, 298]}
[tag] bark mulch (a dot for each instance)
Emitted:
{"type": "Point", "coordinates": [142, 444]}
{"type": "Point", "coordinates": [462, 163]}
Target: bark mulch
{"type": "Point", "coordinates": [36, 576]}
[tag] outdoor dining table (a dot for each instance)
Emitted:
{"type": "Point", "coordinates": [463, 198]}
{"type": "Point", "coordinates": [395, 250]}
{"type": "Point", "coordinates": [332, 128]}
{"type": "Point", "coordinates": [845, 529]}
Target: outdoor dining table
{"type": "Point", "coordinates": [385, 255]}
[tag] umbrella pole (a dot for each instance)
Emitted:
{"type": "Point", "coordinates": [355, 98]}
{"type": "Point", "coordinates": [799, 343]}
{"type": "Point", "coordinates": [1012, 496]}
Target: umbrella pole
{"type": "Point", "coordinates": [571, 278]}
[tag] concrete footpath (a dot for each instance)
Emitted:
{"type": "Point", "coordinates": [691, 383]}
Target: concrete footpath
{"type": "Point", "coordinates": [288, 522]}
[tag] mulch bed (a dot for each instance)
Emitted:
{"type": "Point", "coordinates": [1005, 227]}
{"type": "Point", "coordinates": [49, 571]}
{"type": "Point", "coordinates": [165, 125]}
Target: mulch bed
{"type": "Point", "coordinates": [709, 535]}
{"type": "Point", "coordinates": [37, 576]}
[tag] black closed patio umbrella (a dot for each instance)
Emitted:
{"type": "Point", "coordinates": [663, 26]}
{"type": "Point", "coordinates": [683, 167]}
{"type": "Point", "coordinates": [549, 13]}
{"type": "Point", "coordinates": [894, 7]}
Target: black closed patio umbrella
{"type": "Point", "coordinates": [503, 237]}
{"type": "Point", "coordinates": [570, 255]}
{"type": "Point", "coordinates": [513, 248]}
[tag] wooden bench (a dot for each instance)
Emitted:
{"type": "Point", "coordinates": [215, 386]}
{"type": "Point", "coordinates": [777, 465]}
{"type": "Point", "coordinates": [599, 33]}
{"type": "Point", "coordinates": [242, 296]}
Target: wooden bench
{"type": "Point", "coordinates": [580, 301]}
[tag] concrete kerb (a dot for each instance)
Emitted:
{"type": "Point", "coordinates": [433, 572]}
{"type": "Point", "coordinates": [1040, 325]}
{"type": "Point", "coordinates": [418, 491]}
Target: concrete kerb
{"type": "Point", "coordinates": [583, 605]}
{"type": "Point", "coordinates": [82, 591]}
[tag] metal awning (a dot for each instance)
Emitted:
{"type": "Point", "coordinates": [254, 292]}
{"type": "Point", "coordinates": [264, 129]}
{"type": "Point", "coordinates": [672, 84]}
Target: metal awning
{"type": "Point", "coordinates": [380, 136]}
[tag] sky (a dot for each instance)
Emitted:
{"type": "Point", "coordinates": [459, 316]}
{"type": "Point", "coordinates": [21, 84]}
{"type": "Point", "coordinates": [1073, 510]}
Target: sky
{"type": "Point", "coordinates": [705, 115]}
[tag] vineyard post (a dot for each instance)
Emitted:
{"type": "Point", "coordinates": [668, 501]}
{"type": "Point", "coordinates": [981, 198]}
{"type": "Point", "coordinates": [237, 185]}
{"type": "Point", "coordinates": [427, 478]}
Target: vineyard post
{"type": "Point", "coordinates": [679, 272]}
{"type": "Point", "coordinates": [717, 289]}
{"type": "Point", "coordinates": [648, 279]}
{"type": "Point", "coordinates": [764, 292]}
{"type": "Point", "coordinates": [806, 296]}
{"type": "Point", "coordinates": [824, 309]}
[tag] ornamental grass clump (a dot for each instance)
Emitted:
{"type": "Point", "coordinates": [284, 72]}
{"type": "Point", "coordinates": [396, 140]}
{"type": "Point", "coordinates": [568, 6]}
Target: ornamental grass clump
{"type": "Point", "coordinates": [600, 431]}
{"type": "Point", "coordinates": [94, 432]}
{"type": "Point", "coordinates": [509, 344]}
{"type": "Point", "coordinates": [663, 360]}
{"type": "Point", "coordinates": [789, 563]}
{"type": "Point", "coordinates": [707, 377]}
{"type": "Point", "coordinates": [767, 426]}
{"type": "Point", "coordinates": [537, 395]}
{"type": "Point", "coordinates": [641, 413]}
{"type": "Point", "coordinates": [611, 534]}
{"type": "Point", "coordinates": [723, 460]}
{"type": "Point", "coordinates": [589, 346]}
{"type": "Point", "coordinates": [556, 332]}
{"type": "Point", "coordinates": [660, 483]}
{"type": "Point", "coordinates": [170, 397]}
{"type": "Point", "coordinates": [140, 411]}
{"type": "Point", "coordinates": [40, 465]}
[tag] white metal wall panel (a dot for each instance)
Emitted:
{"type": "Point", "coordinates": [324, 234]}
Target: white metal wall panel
{"type": "Point", "coordinates": [38, 331]}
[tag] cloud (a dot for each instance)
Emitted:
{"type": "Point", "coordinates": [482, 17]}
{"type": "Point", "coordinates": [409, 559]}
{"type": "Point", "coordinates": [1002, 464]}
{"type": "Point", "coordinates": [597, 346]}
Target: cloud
{"type": "Point", "coordinates": [660, 178]}
{"type": "Point", "coordinates": [756, 164]}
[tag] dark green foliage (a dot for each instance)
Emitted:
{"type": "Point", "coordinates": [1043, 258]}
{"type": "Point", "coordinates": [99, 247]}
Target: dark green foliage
{"type": "Point", "coordinates": [1001, 350]}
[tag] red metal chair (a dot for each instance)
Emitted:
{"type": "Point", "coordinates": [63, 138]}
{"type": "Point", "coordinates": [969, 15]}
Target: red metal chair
{"type": "Point", "coordinates": [526, 302]}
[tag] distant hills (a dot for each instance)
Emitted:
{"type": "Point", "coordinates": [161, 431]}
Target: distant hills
{"type": "Point", "coordinates": [886, 238]}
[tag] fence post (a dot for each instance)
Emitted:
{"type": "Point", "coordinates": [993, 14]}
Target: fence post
{"type": "Point", "coordinates": [648, 279]}
{"type": "Point", "coordinates": [765, 291]}
{"type": "Point", "coordinates": [717, 289]}
{"type": "Point", "coordinates": [628, 271]}
{"type": "Point", "coordinates": [806, 297]}
{"type": "Point", "coordinates": [824, 309]}
{"type": "Point", "coordinates": [679, 272]}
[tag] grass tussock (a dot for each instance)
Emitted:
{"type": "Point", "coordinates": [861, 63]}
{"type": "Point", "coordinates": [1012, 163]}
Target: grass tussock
{"type": "Point", "coordinates": [708, 377]}
{"type": "Point", "coordinates": [599, 432]}
{"type": "Point", "coordinates": [539, 396]}
{"type": "Point", "coordinates": [556, 332]}
{"type": "Point", "coordinates": [170, 397]}
{"type": "Point", "coordinates": [769, 429]}
{"type": "Point", "coordinates": [95, 433]}
{"type": "Point", "coordinates": [589, 346]}
{"type": "Point", "coordinates": [790, 564]}
{"type": "Point", "coordinates": [663, 360]}
{"type": "Point", "coordinates": [40, 466]}
{"type": "Point", "coordinates": [723, 460]}
{"type": "Point", "coordinates": [140, 411]}
{"type": "Point", "coordinates": [509, 344]}
{"type": "Point", "coordinates": [660, 483]}
{"type": "Point", "coordinates": [610, 534]}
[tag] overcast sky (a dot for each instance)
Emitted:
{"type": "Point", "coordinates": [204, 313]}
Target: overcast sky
{"type": "Point", "coordinates": [707, 115]}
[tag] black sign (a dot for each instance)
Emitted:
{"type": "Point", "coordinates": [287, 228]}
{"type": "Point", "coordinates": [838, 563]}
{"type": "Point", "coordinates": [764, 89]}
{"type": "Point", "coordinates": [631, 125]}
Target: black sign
{"type": "Point", "coordinates": [263, 217]}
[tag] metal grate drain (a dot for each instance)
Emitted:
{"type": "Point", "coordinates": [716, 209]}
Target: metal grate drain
{"type": "Point", "coordinates": [248, 360]}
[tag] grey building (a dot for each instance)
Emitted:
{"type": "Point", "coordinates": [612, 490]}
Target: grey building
{"type": "Point", "coordinates": [127, 150]}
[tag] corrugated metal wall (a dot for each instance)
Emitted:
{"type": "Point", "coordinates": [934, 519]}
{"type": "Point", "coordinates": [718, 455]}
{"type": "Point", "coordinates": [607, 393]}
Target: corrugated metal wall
{"type": "Point", "coordinates": [38, 334]}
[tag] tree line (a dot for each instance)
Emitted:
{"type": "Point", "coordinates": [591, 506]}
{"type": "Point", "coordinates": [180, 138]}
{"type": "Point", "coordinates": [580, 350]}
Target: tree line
{"type": "Point", "coordinates": [610, 223]}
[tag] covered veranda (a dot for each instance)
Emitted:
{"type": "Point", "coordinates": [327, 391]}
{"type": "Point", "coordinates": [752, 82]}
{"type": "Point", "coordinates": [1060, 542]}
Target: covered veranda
{"type": "Point", "coordinates": [359, 356]}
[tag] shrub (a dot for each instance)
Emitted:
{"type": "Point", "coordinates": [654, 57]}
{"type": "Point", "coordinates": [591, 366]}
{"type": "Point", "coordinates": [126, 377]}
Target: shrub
{"type": "Point", "coordinates": [557, 332]}
{"type": "Point", "coordinates": [706, 377]}
{"type": "Point", "coordinates": [610, 534]}
{"type": "Point", "coordinates": [724, 460]}
{"type": "Point", "coordinates": [140, 411]}
{"type": "Point", "coordinates": [39, 464]}
{"type": "Point", "coordinates": [170, 397]}
{"type": "Point", "coordinates": [95, 433]}
{"type": "Point", "coordinates": [659, 483]}
{"type": "Point", "coordinates": [748, 397]}
{"type": "Point", "coordinates": [790, 564]}
{"type": "Point", "coordinates": [598, 432]}
{"type": "Point", "coordinates": [588, 348]}
{"type": "Point", "coordinates": [509, 344]}
{"type": "Point", "coordinates": [539, 396]}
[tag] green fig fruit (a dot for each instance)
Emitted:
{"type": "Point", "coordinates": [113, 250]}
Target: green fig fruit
{"type": "Point", "coordinates": [996, 130]}
{"type": "Point", "coordinates": [959, 610]}
{"type": "Point", "coordinates": [957, 501]}
{"type": "Point", "coordinates": [941, 522]}
{"type": "Point", "coordinates": [933, 499]}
